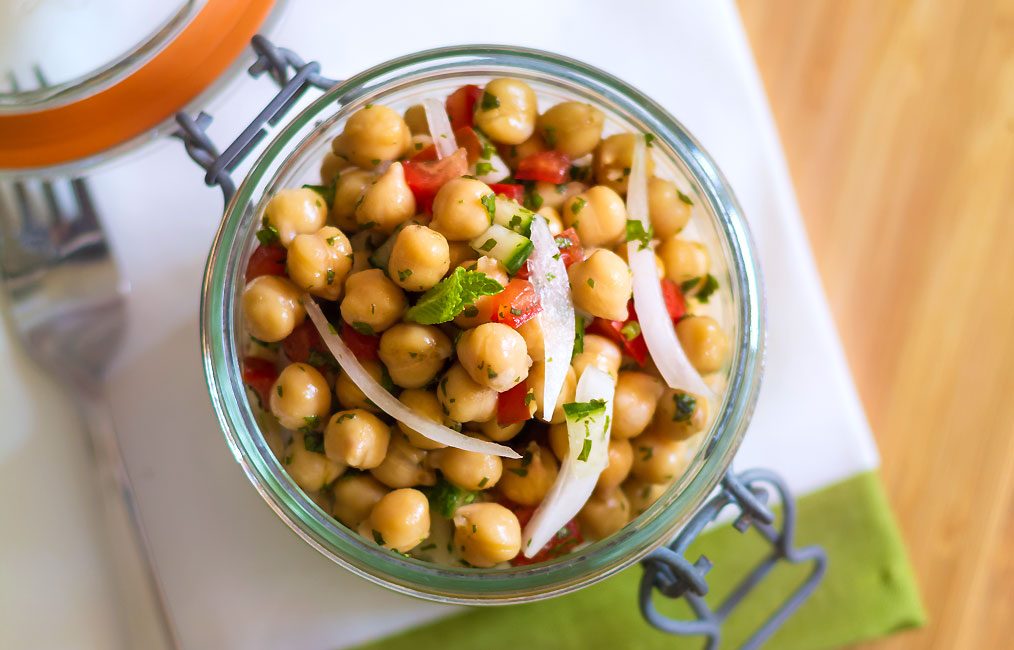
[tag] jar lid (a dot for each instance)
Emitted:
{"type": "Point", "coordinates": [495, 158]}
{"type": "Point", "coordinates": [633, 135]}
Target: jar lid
{"type": "Point", "coordinates": [109, 80]}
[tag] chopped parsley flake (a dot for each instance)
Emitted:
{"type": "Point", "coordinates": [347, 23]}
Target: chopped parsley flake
{"type": "Point", "coordinates": [268, 234]}
{"type": "Point", "coordinates": [585, 450]}
{"type": "Point", "coordinates": [489, 202]}
{"type": "Point", "coordinates": [483, 168]}
{"type": "Point", "coordinates": [703, 287]}
{"type": "Point", "coordinates": [363, 328]}
{"type": "Point", "coordinates": [533, 200]}
{"type": "Point", "coordinates": [484, 481]}
{"type": "Point", "coordinates": [326, 192]}
{"type": "Point", "coordinates": [631, 330]}
{"type": "Point", "coordinates": [488, 245]}
{"type": "Point", "coordinates": [549, 134]}
{"type": "Point", "coordinates": [489, 101]}
{"type": "Point", "coordinates": [520, 471]}
{"type": "Point", "coordinates": [345, 416]}
{"type": "Point", "coordinates": [685, 404]}
{"type": "Point", "coordinates": [378, 538]}
{"type": "Point", "coordinates": [330, 276]}
{"type": "Point", "coordinates": [404, 274]}
{"type": "Point", "coordinates": [649, 139]}
{"type": "Point", "coordinates": [646, 452]}
{"type": "Point", "coordinates": [278, 389]}
{"type": "Point", "coordinates": [578, 204]}
{"type": "Point", "coordinates": [683, 197]}
{"type": "Point", "coordinates": [591, 282]}
{"type": "Point", "coordinates": [314, 442]}
{"type": "Point", "coordinates": [636, 232]}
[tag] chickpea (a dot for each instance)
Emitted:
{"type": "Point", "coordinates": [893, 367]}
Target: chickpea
{"type": "Point", "coordinates": [464, 400]}
{"type": "Point", "coordinates": [684, 260]}
{"type": "Point", "coordinates": [486, 534]}
{"type": "Point", "coordinates": [658, 458]}
{"type": "Point", "coordinates": [637, 394]}
{"type": "Point", "coordinates": [614, 158]}
{"type": "Point", "coordinates": [573, 128]}
{"type": "Point", "coordinates": [468, 470]}
{"type": "Point", "coordinates": [349, 395]}
{"type": "Point", "coordinates": [527, 480]}
{"type": "Point", "coordinates": [271, 308]}
{"type": "Point", "coordinates": [415, 119]}
{"type": "Point", "coordinates": [680, 415]}
{"type": "Point", "coordinates": [599, 352]}
{"type": "Point", "coordinates": [621, 457]}
{"type": "Point", "coordinates": [537, 384]}
{"type": "Point", "coordinates": [513, 154]}
{"type": "Point", "coordinates": [388, 202]}
{"type": "Point", "coordinates": [559, 440]}
{"type": "Point", "coordinates": [458, 212]}
{"type": "Point", "coordinates": [414, 353]}
{"type": "Point", "coordinates": [320, 262]}
{"type": "Point", "coordinates": [426, 404]}
{"type": "Point", "coordinates": [621, 250]}
{"type": "Point", "coordinates": [507, 111]}
{"type": "Point", "coordinates": [404, 466]}
{"type": "Point", "coordinates": [300, 397]}
{"type": "Point", "coordinates": [601, 285]}
{"type": "Point", "coordinates": [704, 342]}
{"type": "Point", "coordinates": [401, 520]}
{"type": "Point", "coordinates": [641, 494]}
{"type": "Point", "coordinates": [552, 218]}
{"type": "Point", "coordinates": [351, 185]}
{"type": "Point", "coordinates": [482, 311]}
{"type": "Point", "coordinates": [531, 332]}
{"type": "Point", "coordinates": [554, 196]}
{"type": "Point", "coordinates": [294, 211]}
{"type": "Point", "coordinates": [668, 211]}
{"type": "Point", "coordinates": [604, 514]}
{"type": "Point", "coordinates": [502, 432]}
{"type": "Point", "coordinates": [354, 498]}
{"type": "Point", "coordinates": [356, 438]}
{"type": "Point", "coordinates": [310, 470]}
{"type": "Point", "coordinates": [461, 253]}
{"type": "Point", "coordinates": [372, 135]}
{"type": "Point", "coordinates": [494, 355]}
{"type": "Point", "coordinates": [372, 302]}
{"type": "Point", "coordinates": [419, 259]}
{"type": "Point", "coordinates": [598, 215]}
{"type": "Point", "coordinates": [331, 167]}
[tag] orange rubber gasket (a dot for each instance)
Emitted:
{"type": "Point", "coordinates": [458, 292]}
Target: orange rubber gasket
{"type": "Point", "coordinates": [198, 55]}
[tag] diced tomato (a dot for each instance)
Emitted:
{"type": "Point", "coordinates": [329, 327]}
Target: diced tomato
{"type": "Point", "coordinates": [363, 346]}
{"type": "Point", "coordinates": [510, 190]}
{"type": "Point", "coordinates": [304, 345]}
{"type": "Point", "coordinates": [516, 304]}
{"type": "Point", "coordinates": [425, 178]}
{"type": "Point", "coordinates": [548, 166]}
{"type": "Point", "coordinates": [461, 105]}
{"type": "Point", "coordinates": [260, 375]}
{"type": "Point", "coordinates": [570, 251]}
{"type": "Point", "coordinates": [635, 347]}
{"type": "Point", "coordinates": [466, 137]}
{"type": "Point", "coordinates": [561, 543]}
{"type": "Point", "coordinates": [267, 259]}
{"type": "Point", "coordinates": [513, 405]}
{"type": "Point", "coordinates": [674, 301]}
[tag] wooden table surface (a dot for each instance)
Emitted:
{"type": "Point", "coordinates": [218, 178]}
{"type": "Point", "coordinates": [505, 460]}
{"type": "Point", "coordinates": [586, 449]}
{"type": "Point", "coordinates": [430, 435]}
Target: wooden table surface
{"type": "Point", "coordinates": [897, 118]}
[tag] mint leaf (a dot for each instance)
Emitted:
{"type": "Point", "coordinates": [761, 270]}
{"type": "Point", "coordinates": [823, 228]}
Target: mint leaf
{"type": "Point", "coordinates": [451, 295]}
{"type": "Point", "coordinates": [326, 191]}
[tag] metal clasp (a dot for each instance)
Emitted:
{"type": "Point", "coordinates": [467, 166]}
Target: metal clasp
{"type": "Point", "coordinates": [293, 76]}
{"type": "Point", "coordinates": [667, 570]}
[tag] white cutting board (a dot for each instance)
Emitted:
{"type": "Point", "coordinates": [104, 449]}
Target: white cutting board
{"type": "Point", "coordinates": [235, 575]}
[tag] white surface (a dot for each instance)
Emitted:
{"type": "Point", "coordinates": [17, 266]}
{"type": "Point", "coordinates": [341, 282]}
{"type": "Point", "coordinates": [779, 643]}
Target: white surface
{"type": "Point", "coordinates": [236, 576]}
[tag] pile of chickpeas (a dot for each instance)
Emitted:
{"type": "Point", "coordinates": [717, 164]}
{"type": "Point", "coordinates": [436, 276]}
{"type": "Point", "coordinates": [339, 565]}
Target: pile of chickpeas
{"type": "Point", "coordinates": [376, 475]}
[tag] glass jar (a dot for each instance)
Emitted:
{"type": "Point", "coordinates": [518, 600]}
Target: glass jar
{"type": "Point", "coordinates": [293, 157]}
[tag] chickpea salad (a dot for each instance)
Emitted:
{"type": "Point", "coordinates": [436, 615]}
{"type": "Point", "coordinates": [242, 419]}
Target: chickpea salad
{"type": "Point", "coordinates": [481, 340]}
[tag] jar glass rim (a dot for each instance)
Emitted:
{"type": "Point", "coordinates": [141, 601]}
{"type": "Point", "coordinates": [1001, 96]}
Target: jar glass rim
{"type": "Point", "coordinates": [463, 585]}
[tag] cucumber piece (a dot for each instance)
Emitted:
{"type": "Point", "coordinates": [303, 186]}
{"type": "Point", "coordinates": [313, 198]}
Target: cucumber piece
{"type": "Point", "coordinates": [512, 216]}
{"type": "Point", "coordinates": [504, 245]}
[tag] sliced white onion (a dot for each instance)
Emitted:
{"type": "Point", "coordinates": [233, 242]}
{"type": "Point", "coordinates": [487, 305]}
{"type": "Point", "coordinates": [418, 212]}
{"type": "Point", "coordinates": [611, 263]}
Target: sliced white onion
{"type": "Point", "coordinates": [498, 168]}
{"type": "Point", "coordinates": [548, 275]}
{"type": "Point", "coordinates": [387, 402]}
{"type": "Point", "coordinates": [440, 127]}
{"type": "Point", "coordinates": [656, 326]}
{"type": "Point", "coordinates": [577, 478]}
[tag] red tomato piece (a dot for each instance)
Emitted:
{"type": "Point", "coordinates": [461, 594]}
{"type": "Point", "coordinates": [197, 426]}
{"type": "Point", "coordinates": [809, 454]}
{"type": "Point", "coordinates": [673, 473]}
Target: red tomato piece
{"type": "Point", "coordinates": [513, 405]}
{"type": "Point", "coordinates": [675, 304]}
{"type": "Point", "coordinates": [304, 345]}
{"type": "Point", "coordinates": [548, 166]}
{"type": "Point", "coordinates": [363, 346]}
{"type": "Point", "coordinates": [427, 177]}
{"type": "Point", "coordinates": [561, 543]}
{"type": "Point", "coordinates": [516, 304]}
{"type": "Point", "coordinates": [510, 190]}
{"type": "Point", "coordinates": [267, 259]}
{"type": "Point", "coordinates": [466, 137]}
{"type": "Point", "coordinates": [260, 375]}
{"type": "Point", "coordinates": [461, 105]}
{"type": "Point", "coordinates": [634, 348]}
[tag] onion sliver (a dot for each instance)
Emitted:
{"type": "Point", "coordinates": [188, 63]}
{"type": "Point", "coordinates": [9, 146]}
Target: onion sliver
{"type": "Point", "coordinates": [440, 127]}
{"type": "Point", "coordinates": [548, 275]}
{"type": "Point", "coordinates": [587, 456]}
{"type": "Point", "coordinates": [653, 317]}
{"type": "Point", "coordinates": [387, 402]}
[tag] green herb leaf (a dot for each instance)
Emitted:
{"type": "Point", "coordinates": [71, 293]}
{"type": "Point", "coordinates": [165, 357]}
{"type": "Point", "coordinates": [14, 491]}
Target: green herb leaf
{"type": "Point", "coordinates": [685, 404]}
{"type": "Point", "coordinates": [649, 138]}
{"type": "Point", "coordinates": [278, 389]}
{"type": "Point", "coordinates": [636, 232]}
{"type": "Point", "coordinates": [488, 245]}
{"type": "Point", "coordinates": [585, 450]}
{"type": "Point", "coordinates": [700, 287]}
{"type": "Point", "coordinates": [591, 282]}
{"type": "Point", "coordinates": [489, 101]}
{"type": "Point", "coordinates": [445, 498]}
{"type": "Point", "coordinates": [326, 191]}
{"type": "Point", "coordinates": [683, 197]}
{"type": "Point", "coordinates": [484, 481]}
{"type": "Point", "coordinates": [404, 274]}
{"type": "Point", "coordinates": [489, 202]}
{"type": "Point", "coordinates": [483, 168]}
{"type": "Point", "coordinates": [549, 135]}
{"type": "Point", "coordinates": [578, 205]}
{"type": "Point", "coordinates": [577, 411]}
{"type": "Point", "coordinates": [631, 330]}
{"type": "Point", "coordinates": [520, 471]}
{"type": "Point", "coordinates": [578, 334]}
{"type": "Point", "coordinates": [533, 200]}
{"type": "Point", "coordinates": [330, 276]}
{"type": "Point", "coordinates": [314, 442]}
{"type": "Point", "coordinates": [451, 295]}
{"type": "Point", "coordinates": [363, 328]}
{"type": "Point", "coordinates": [378, 538]}
{"type": "Point", "coordinates": [268, 234]}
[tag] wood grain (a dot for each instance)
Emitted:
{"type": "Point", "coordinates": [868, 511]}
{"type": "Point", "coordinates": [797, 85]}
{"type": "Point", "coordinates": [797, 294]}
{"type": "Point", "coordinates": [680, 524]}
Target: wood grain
{"type": "Point", "coordinates": [897, 119]}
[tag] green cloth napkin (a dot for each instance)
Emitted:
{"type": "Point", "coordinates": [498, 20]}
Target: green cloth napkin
{"type": "Point", "coordinates": [868, 591]}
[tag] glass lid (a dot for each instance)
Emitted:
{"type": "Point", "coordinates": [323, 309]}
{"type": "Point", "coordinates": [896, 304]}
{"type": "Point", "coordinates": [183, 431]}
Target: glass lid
{"type": "Point", "coordinates": [53, 52]}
